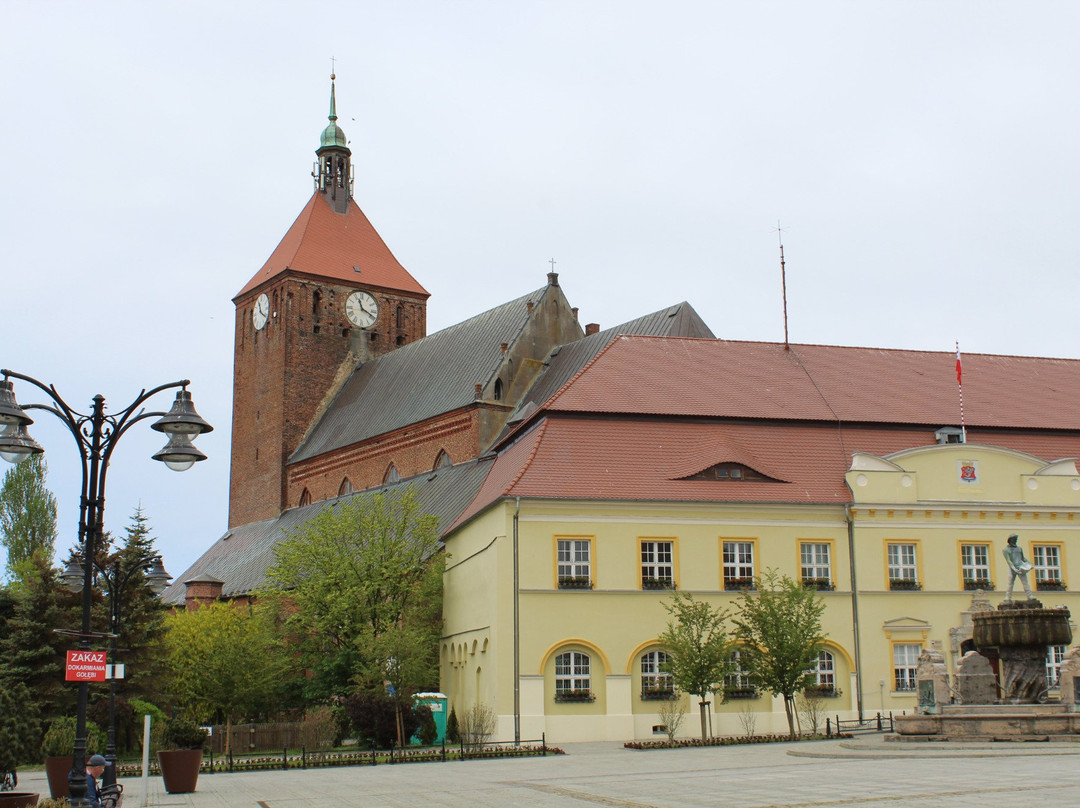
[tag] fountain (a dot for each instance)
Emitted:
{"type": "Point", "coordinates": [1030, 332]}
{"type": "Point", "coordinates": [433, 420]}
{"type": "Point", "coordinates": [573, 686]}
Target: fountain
{"type": "Point", "coordinates": [1011, 703]}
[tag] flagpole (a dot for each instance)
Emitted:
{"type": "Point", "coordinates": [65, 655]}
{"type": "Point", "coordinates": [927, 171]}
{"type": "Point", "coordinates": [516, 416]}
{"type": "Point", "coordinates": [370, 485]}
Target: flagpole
{"type": "Point", "coordinates": [960, 388]}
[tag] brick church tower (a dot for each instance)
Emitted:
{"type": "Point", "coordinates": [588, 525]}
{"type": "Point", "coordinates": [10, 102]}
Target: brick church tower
{"type": "Point", "coordinates": [330, 295]}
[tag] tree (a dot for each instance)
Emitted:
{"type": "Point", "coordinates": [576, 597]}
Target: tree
{"type": "Point", "coordinates": [698, 648]}
{"type": "Point", "coordinates": [142, 614]}
{"type": "Point", "coordinates": [224, 661]}
{"type": "Point", "coordinates": [359, 587]}
{"type": "Point", "coordinates": [27, 512]}
{"type": "Point", "coordinates": [32, 606]}
{"type": "Point", "coordinates": [779, 626]}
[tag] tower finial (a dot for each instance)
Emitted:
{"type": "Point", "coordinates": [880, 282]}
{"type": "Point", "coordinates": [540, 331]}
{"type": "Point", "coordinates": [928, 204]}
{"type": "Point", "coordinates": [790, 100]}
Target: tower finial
{"type": "Point", "coordinates": [333, 98]}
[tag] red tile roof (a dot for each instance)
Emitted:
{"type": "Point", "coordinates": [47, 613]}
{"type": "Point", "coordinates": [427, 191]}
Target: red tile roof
{"type": "Point", "coordinates": [329, 245]}
{"type": "Point", "coordinates": [722, 378]}
{"type": "Point", "coordinates": [647, 412]}
{"type": "Point", "coordinates": [618, 458]}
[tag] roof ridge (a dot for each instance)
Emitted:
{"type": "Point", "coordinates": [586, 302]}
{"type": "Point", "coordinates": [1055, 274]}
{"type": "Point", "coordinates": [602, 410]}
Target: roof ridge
{"type": "Point", "coordinates": [541, 429]}
{"type": "Point", "coordinates": [569, 382]}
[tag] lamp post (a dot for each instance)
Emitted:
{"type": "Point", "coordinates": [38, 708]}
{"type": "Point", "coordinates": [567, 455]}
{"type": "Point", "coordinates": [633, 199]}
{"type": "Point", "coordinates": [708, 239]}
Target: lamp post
{"type": "Point", "coordinates": [96, 435]}
{"type": "Point", "coordinates": [116, 580]}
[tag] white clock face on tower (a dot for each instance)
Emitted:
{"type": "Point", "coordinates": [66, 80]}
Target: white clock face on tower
{"type": "Point", "coordinates": [261, 312]}
{"type": "Point", "coordinates": [361, 309]}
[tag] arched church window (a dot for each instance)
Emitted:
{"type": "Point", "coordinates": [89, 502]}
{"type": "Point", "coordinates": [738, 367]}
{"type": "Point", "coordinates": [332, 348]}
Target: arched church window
{"type": "Point", "coordinates": [400, 316]}
{"type": "Point", "coordinates": [392, 476]}
{"type": "Point", "coordinates": [316, 298]}
{"type": "Point", "coordinates": [498, 389]}
{"type": "Point", "coordinates": [442, 461]}
{"type": "Point", "coordinates": [345, 488]}
{"type": "Point", "coordinates": [305, 498]}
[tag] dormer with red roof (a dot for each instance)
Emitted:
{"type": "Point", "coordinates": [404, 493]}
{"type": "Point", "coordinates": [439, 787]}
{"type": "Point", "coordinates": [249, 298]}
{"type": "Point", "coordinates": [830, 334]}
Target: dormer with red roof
{"type": "Point", "coordinates": [330, 295]}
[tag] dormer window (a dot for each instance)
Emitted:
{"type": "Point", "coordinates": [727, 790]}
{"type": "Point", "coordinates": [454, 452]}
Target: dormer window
{"type": "Point", "coordinates": [949, 434]}
{"type": "Point", "coordinates": [730, 472]}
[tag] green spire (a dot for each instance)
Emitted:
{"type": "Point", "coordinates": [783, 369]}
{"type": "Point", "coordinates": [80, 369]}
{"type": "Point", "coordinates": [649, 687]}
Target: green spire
{"type": "Point", "coordinates": [333, 135]}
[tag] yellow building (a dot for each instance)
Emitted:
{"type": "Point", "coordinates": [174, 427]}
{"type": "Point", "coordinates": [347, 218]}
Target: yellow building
{"type": "Point", "coordinates": [695, 465]}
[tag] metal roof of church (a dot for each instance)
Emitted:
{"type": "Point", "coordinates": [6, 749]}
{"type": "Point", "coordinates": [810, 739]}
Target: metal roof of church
{"type": "Point", "coordinates": [242, 556]}
{"type": "Point", "coordinates": [342, 247]}
{"type": "Point", "coordinates": [426, 378]}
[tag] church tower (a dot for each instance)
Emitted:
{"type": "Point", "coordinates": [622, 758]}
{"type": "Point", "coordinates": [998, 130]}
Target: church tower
{"type": "Point", "coordinates": [330, 295]}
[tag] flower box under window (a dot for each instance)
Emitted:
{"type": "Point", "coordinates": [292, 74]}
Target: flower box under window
{"type": "Point", "coordinates": [658, 694]}
{"type": "Point", "coordinates": [820, 584]}
{"type": "Point", "coordinates": [738, 584]}
{"type": "Point", "coordinates": [821, 692]}
{"type": "Point", "coordinates": [575, 582]}
{"type": "Point", "coordinates": [971, 584]}
{"type": "Point", "coordinates": [904, 585]}
{"type": "Point", "coordinates": [736, 693]}
{"type": "Point", "coordinates": [657, 583]}
{"type": "Point", "coordinates": [574, 695]}
{"type": "Point", "coordinates": [1050, 585]}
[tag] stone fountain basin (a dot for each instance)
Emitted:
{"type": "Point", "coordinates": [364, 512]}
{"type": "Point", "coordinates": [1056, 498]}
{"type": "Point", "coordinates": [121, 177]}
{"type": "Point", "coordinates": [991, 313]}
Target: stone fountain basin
{"type": "Point", "coordinates": [1022, 627]}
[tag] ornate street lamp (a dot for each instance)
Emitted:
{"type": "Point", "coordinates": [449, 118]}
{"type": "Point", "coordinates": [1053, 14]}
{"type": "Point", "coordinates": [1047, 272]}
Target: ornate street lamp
{"type": "Point", "coordinates": [116, 579]}
{"type": "Point", "coordinates": [96, 435]}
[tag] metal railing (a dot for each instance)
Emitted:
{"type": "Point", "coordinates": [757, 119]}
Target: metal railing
{"type": "Point", "coordinates": [854, 726]}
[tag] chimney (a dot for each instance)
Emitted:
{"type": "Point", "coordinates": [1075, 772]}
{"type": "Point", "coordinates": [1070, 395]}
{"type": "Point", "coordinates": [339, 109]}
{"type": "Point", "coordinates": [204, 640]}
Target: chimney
{"type": "Point", "coordinates": [574, 312]}
{"type": "Point", "coordinates": [504, 346]}
{"type": "Point", "coordinates": [529, 306]}
{"type": "Point", "coordinates": [553, 279]}
{"type": "Point", "coordinates": [592, 328]}
{"type": "Point", "coordinates": [477, 389]}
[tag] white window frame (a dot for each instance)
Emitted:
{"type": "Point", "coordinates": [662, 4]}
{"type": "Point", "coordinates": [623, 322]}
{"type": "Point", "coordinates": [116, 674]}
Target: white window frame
{"type": "Point", "coordinates": [903, 561]}
{"type": "Point", "coordinates": [574, 558]}
{"type": "Point", "coordinates": [1046, 558]}
{"type": "Point", "coordinates": [653, 677]}
{"type": "Point", "coordinates": [905, 665]}
{"type": "Point", "coordinates": [572, 671]}
{"type": "Point", "coordinates": [816, 560]}
{"type": "Point", "coordinates": [737, 677]}
{"type": "Point", "coordinates": [1055, 655]}
{"type": "Point", "coordinates": [738, 560]}
{"type": "Point", "coordinates": [658, 560]}
{"type": "Point", "coordinates": [974, 568]}
{"type": "Point", "coordinates": [825, 670]}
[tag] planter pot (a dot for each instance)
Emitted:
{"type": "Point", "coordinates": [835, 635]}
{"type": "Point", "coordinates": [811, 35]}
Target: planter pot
{"type": "Point", "coordinates": [18, 799]}
{"type": "Point", "coordinates": [57, 769]}
{"type": "Point", "coordinates": [180, 769]}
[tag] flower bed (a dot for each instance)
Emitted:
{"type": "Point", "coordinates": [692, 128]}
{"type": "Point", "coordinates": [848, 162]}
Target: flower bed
{"type": "Point", "coordinates": [729, 741]}
{"type": "Point", "coordinates": [353, 757]}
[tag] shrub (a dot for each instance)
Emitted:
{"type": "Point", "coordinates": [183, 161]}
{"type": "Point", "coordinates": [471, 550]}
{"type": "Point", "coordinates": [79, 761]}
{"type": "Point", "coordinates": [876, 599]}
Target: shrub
{"type": "Point", "coordinates": [59, 739]}
{"type": "Point", "coordinates": [453, 733]}
{"type": "Point", "coordinates": [427, 732]}
{"type": "Point", "coordinates": [478, 725]}
{"type": "Point", "coordinates": [181, 733]}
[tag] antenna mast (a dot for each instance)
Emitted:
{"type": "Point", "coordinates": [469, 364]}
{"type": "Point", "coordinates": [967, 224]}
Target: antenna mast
{"type": "Point", "coordinates": [783, 281]}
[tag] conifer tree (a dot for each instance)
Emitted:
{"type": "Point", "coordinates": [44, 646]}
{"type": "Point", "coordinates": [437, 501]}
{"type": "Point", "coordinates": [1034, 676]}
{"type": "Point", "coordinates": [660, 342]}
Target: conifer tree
{"type": "Point", "coordinates": [27, 513]}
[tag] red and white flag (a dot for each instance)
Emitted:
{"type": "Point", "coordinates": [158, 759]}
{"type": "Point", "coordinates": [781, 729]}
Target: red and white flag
{"type": "Point", "coordinates": [958, 365]}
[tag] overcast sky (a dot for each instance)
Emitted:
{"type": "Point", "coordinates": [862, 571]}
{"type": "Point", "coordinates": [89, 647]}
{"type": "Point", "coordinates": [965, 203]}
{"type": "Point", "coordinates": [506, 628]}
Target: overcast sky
{"type": "Point", "coordinates": [921, 157]}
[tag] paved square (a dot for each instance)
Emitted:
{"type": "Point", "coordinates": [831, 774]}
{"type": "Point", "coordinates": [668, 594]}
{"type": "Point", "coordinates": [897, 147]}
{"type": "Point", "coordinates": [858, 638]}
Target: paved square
{"type": "Point", "coordinates": [865, 772]}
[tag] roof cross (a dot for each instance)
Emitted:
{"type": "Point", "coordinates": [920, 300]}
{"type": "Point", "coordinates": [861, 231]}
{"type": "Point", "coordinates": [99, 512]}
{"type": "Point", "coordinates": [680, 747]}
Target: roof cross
{"type": "Point", "coordinates": [552, 262]}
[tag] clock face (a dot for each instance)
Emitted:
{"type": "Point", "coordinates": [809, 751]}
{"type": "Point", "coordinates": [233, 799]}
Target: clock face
{"type": "Point", "coordinates": [361, 309]}
{"type": "Point", "coordinates": [261, 312]}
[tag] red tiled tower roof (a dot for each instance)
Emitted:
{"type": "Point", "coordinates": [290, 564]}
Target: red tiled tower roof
{"type": "Point", "coordinates": [326, 244]}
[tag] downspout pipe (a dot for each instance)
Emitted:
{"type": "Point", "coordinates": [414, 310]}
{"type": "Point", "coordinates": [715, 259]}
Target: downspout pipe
{"type": "Point", "coordinates": [517, 632]}
{"type": "Point", "coordinates": [857, 645]}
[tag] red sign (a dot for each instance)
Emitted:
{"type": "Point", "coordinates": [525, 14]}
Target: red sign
{"type": "Point", "coordinates": [85, 666]}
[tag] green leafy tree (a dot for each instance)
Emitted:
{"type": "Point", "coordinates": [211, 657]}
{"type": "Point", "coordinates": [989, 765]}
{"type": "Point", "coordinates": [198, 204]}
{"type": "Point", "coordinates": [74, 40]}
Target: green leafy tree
{"type": "Point", "coordinates": [779, 626]}
{"type": "Point", "coordinates": [699, 649]}
{"type": "Point", "coordinates": [224, 661]}
{"type": "Point", "coordinates": [27, 512]}
{"type": "Point", "coordinates": [359, 587]}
